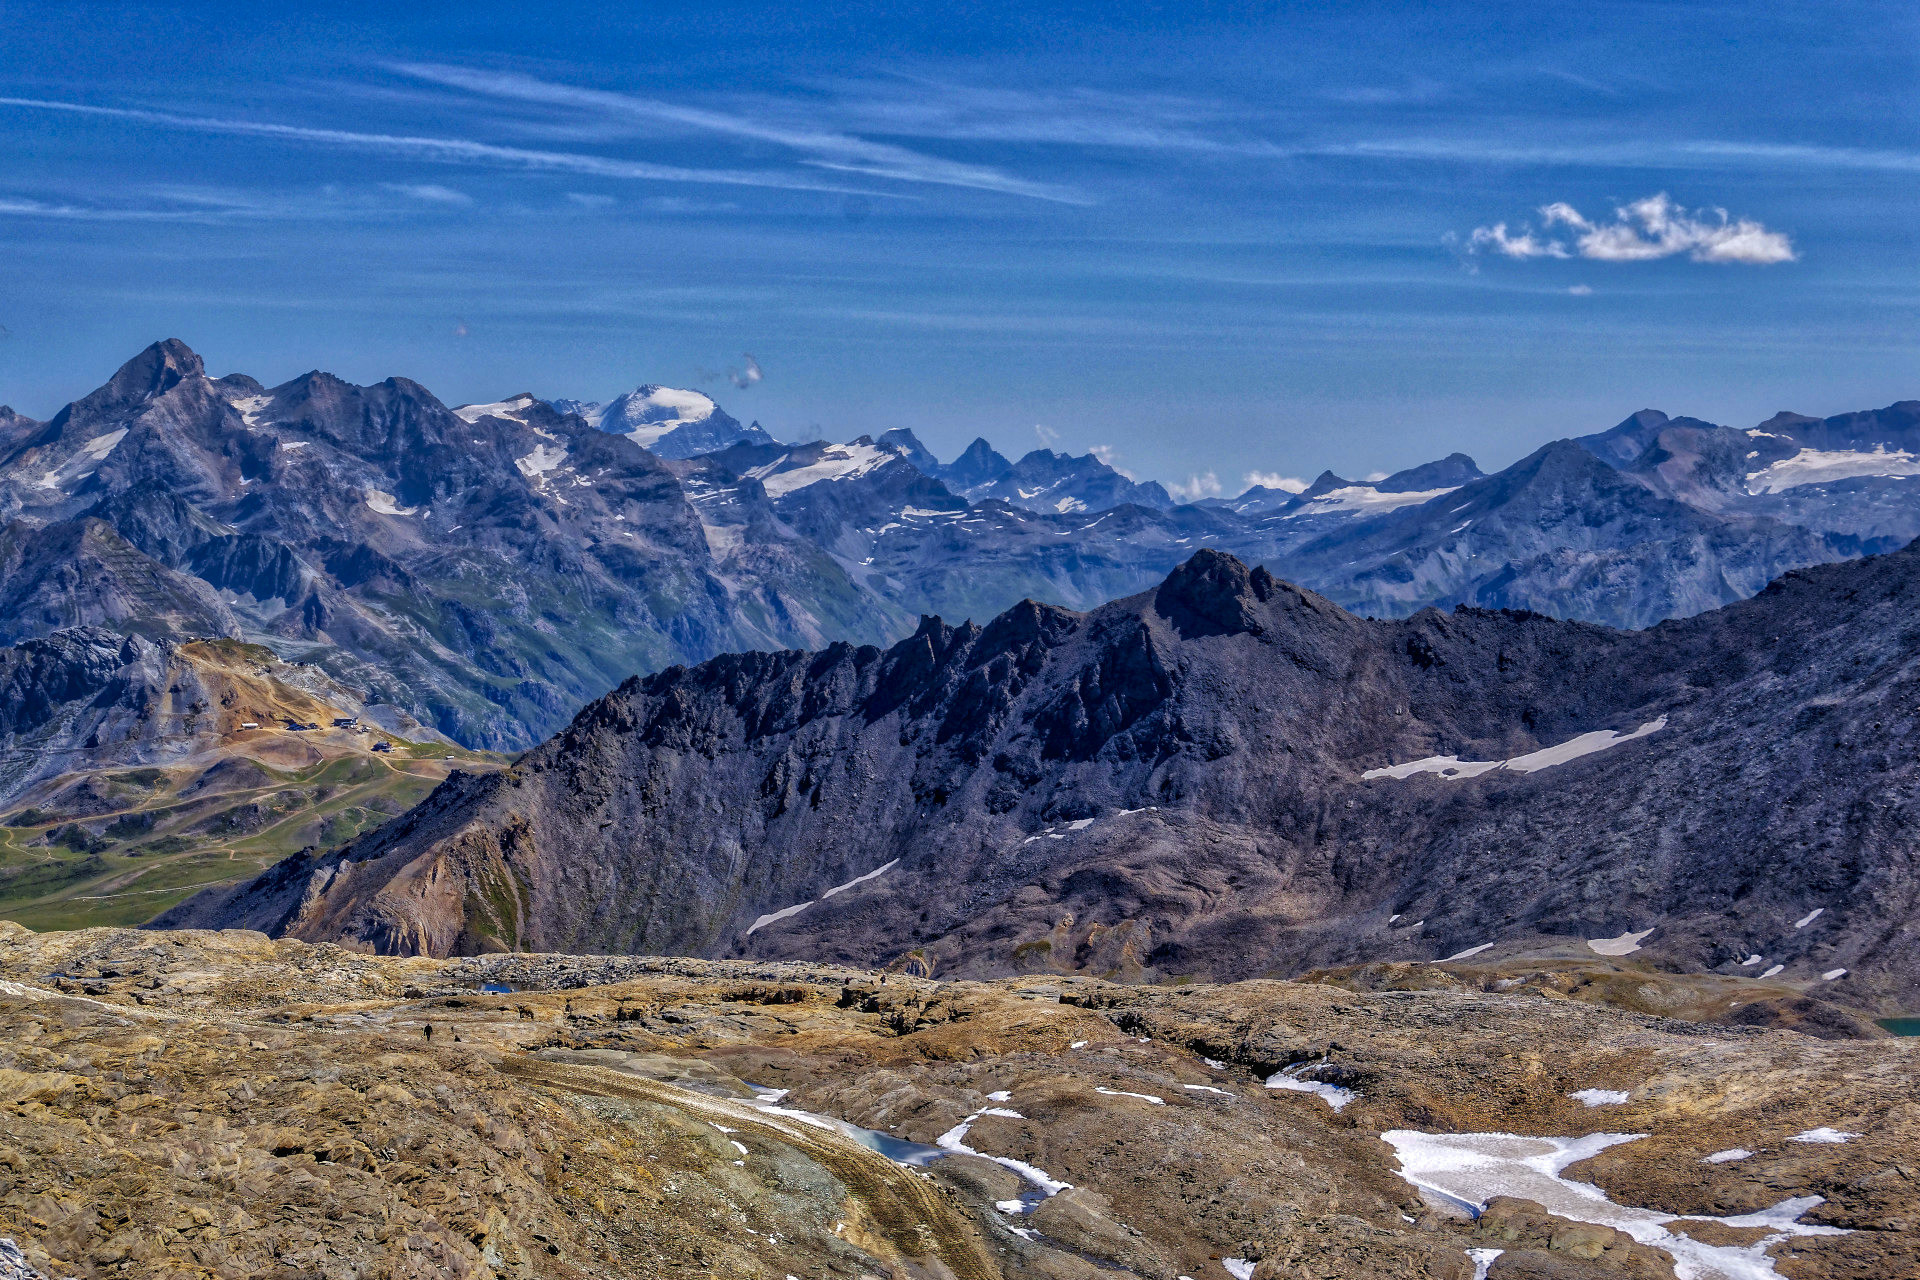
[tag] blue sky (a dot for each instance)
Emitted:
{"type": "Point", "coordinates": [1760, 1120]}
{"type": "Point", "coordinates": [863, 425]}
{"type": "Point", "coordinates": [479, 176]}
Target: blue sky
{"type": "Point", "coordinates": [1214, 239]}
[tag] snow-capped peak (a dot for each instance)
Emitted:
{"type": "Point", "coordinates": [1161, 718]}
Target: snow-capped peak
{"type": "Point", "coordinates": [646, 413]}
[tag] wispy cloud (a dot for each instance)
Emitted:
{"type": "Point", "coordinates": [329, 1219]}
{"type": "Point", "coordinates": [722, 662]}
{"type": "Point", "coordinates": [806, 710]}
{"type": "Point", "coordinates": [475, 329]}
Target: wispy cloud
{"type": "Point", "coordinates": [918, 107]}
{"type": "Point", "coordinates": [1274, 480]}
{"type": "Point", "coordinates": [822, 148]}
{"type": "Point", "coordinates": [429, 192]}
{"type": "Point", "coordinates": [1642, 231]}
{"type": "Point", "coordinates": [1196, 487]}
{"type": "Point", "coordinates": [450, 150]}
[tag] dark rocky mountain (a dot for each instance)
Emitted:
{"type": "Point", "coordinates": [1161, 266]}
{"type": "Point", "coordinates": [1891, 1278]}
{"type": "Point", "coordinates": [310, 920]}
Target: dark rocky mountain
{"type": "Point", "coordinates": [1224, 776]}
{"type": "Point", "coordinates": [979, 465]}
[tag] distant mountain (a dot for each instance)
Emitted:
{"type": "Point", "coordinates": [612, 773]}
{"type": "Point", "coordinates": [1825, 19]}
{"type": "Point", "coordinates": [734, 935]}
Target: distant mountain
{"type": "Point", "coordinates": [666, 421]}
{"type": "Point", "coordinates": [485, 570]}
{"type": "Point", "coordinates": [490, 568]}
{"type": "Point", "coordinates": [1054, 483]}
{"type": "Point", "coordinates": [1221, 777]}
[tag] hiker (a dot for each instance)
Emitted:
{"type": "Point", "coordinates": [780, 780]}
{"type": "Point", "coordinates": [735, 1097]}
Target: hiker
{"type": "Point", "coordinates": [427, 1031]}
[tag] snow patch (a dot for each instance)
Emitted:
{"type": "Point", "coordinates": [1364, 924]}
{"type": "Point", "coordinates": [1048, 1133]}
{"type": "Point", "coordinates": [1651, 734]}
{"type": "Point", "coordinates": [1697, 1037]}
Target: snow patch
{"type": "Point", "coordinates": [1601, 1097]}
{"type": "Point", "coordinates": [1833, 975]}
{"type": "Point", "coordinates": [1776, 969]}
{"type": "Point", "coordinates": [1363, 499]}
{"type": "Point", "coordinates": [797, 908]}
{"type": "Point", "coordinates": [1824, 1134]}
{"type": "Point", "coordinates": [954, 1140]}
{"type": "Point", "coordinates": [1725, 1157]}
{"type": "Point", "coordinates": [1470, 951]}
{"type": "Point", "coordinates": [1751, 960]}
{"type": "Point", "coordinates": [1238, 1268]}
{"type": "Point", "coordinates": [543, 459]}
{"type": "Point", "coordinates": [1809, 918]}
{"type": "Point", "coordinates": [1469, 1169]}
{"type": "Point", "coordinates": [1585, 744]}
{"type": "Point", "coordinates": [1482, 1260]}
{"type": "Point", "coordinates": [1122, 1093]}
{"type": "Point", "coordinates": [1207, 1088]}
{"type": "Point", "coordinates": [388, 505]}
{"type": "Point", "coordinates": [1624, 945]}
{"type": "Point", "coordinates": [1824, 466]}
{"type": "Point", "coordinates": [1331, 1094]}
{"type": "Point", "coordinates": [99, 447]}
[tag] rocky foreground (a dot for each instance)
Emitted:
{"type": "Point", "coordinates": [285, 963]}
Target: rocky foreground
{"type": "Point", "coordinates": [219, 1104]}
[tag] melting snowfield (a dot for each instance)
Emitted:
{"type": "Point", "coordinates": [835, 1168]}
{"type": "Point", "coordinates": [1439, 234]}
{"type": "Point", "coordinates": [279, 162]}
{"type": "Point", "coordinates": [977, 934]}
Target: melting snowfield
{"type": "Point", "coordinates": [1363, 499]}
{"type": "Point", "coordinates": [1044, 1185]}
{"type": "Point", "coordinates": [1824, 466]}
{"type": "Point", "coordinates": [1585, 744]}
{"type": "Point", "coordinates": [1469, 1169]}
{"type": "Point", "coordinates": [839, 462]}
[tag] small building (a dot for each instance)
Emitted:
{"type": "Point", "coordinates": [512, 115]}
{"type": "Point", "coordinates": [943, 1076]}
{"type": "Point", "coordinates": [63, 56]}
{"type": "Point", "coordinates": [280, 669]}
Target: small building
{"type": "Point", "coordinates": [345, 722]}
{"type": "Point", "coordinates": [382, 746]}
{"type": "Point", "coordinates": [249, 724]}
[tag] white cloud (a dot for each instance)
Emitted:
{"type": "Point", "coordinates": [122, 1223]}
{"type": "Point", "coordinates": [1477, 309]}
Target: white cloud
{"type": "Point", "coordinates": [1196, 488]}
{"type": "Point", "coordinates": [431, 192]}
{"type": "Point", "coordinates": [1580, 290]}
{"type": "Point", "coordinates": [1108, 454]}
{"type": "Point", "coordinates": [1523, 245]}
{"type": "Point", "coordinates": [1048, 436]}
{"type": "Point", "coordinates": [1274, 480]}
{"type": "Point", "coordinates": [747, 376]}
{"type": "Point", "coordinates": [1643, 231]}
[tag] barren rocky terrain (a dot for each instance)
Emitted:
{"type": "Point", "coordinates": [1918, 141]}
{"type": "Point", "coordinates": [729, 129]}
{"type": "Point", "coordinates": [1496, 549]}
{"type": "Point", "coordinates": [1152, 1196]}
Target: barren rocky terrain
{"type": "Point", "coordinates": [219, 1104]}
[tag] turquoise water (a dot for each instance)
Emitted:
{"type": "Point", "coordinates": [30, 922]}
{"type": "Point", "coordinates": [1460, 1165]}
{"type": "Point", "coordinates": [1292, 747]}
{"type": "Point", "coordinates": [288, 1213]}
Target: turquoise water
{"type": "Point", "coordinates": [1902, 1026]}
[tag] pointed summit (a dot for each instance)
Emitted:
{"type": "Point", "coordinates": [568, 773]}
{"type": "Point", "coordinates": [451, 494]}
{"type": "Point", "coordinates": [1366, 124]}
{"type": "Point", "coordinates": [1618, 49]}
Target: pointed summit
{"type": "Point", "coordinates": [154, 372]}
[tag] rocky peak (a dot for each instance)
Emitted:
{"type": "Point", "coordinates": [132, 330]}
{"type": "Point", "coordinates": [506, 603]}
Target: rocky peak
{"type": "Point", "coordinates": [148, 376]}
{"type": "Point", "coordinates": [1213, 594]}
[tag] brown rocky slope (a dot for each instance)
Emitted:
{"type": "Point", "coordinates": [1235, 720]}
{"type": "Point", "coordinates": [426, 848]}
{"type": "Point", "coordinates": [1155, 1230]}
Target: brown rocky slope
{"type": "Point", "coordinates": [219, 1104]}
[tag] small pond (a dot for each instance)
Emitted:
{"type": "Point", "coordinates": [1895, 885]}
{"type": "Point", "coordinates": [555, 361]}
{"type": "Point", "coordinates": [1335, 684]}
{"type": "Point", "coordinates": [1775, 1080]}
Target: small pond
{"type": "Point", "coordinates": [1902, 1026]}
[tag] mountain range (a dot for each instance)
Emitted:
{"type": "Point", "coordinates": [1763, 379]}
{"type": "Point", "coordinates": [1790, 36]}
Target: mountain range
{"type": "Point", "coordinates": [1223, 777]}
{"type": "Point", "coordinates": [486, 569]}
